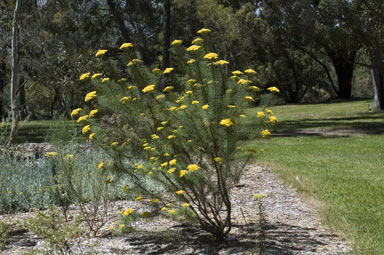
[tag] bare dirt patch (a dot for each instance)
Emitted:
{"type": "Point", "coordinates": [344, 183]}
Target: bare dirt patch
{"type": "Point", "coordinates": [292, 227]}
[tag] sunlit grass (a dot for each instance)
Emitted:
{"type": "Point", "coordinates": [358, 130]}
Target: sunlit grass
{"type": "Point", "coordinates": [342, 169]}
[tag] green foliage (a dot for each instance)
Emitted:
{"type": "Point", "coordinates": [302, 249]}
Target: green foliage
{"type": "Point", "coordinates": [183, 138]}
{"type": "Point", "coordinates": [4, 235]}
{"type": "Point", "coordinates": [30, 183]}
{"type": "Point", "coordinates": [55, 230]}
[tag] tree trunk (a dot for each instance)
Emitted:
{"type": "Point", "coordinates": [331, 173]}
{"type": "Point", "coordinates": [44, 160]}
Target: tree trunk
{"type": "Point", "coordinates": [166, 33]}
{"type": "Point", "coordinates": [377, 73]}
{"type": "Point", "coordinates": [15, 71]}
{"type": "Point", "coordinates": [23, 108]}
{"type": "Point", "coordinates": [2, 88]}
{"type": "Point", "coordinates": [344, 70]}
{"type": "Point", "coordinates": [166, 38]}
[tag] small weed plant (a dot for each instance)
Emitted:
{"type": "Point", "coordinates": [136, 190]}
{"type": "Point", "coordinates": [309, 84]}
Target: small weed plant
{"type": "Point", "coordinates": [55, 230]}
{"type": "Point", "coordinates": [178, 127]}
{"type": "Point", "coordinates": [4, 229]}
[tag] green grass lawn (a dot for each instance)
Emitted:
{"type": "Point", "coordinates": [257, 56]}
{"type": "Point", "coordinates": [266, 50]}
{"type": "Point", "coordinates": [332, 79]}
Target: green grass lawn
{"type": "Point", "coordinates": [333, 153]}
{"type": "Point", "coordinates": [40, 131]}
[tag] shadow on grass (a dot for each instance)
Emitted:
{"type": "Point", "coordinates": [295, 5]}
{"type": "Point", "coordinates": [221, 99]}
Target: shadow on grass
{"type": "Point", "coordinates": [330, 127]}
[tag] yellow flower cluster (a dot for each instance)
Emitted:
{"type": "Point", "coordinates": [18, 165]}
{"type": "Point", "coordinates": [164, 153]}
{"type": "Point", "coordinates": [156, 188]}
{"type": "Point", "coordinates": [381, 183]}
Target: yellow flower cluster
{"type": "Point", "coordinates": [75, 112]}
{"type": "Point", "coordinates": [96, 75]}
{"type": "Point", "coordinates": [149, 88]}
{"type": "Point", "coordinates": [193, 48]}
{"type": "Point", "coordinates": [133, 62]}
{"type": "Point", "coordinates": [101, 52]}
{"type": "Point", "coordinates": [84, 76]}
{"type": "Point", "coordinates": [126, 46]}
{"type": "Point", "coordinates": [203, 31]}
{"type": "Point", "coordinates": [176, 42]}
{"type": "Point", "coordinates": [85, 129]}
{"type": "Point", "coordinates": [227, 122]}
{"type": "Point", "coordinates": [197, 40]}
{"type": "Point", "coordinates": [266, 133]}
{"type": "Point", "coordinates": [90, 96]}
{"type": "Point", "coordinates": [211, 56]}
{"type": "Point", "coordinates": [273, 89]}
{"type": "Point", "coordinates": [168, 70]}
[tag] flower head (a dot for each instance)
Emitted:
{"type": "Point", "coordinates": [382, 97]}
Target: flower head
{"type": "Point", "coordinates": [105, 79]}
{"type": "Point", "coordinates": [159, 97]}
{"type": "Point", "coordinates": [193, 48]}
{"type": "Point", "coordinates": [205, 107]}
{"type": "Point", "coordinates": [172, 162]}
{"type": "Point", "coordinates": [195, 102]}
{"type": "Point", "coordinates": [171, 211]}
{"type": "Point", "coordinates": [82, 118]}
{"type": "Point", "coordinates": [203, 31]}
{"type": "Point", "coordinates": [273, 119]}
{"type": "Point", "coordinates": [126, 46]}
{"type": "Point", "coordinates": [197, 40]}
{"type": "Point", "coordinates": [186, 205]}
{"type": "Point", "coordinates": [171, 170]}
{"type": "Point", "coordinates": [91, 136]}
{"type": "Point", "coordinates": [75, 112]}
{"type": "Point", "coordinates": [237, 72]}
{"type": "Point", "coordinates": [221, 62]}
{"type": "Point", "coordinates": [168, 70]}
{"type": "Point", "coordinates": [260, 114]}
{"type": "Point", "coordinates": [211, 56]}
{"type": "Point", "coordinates": [193, 167]}
{"type": "Point", "coordinates": [100, 166]}
{"type": "Point", "coordinates": [182, 173]}
{"type": "Point", "coordinates": [149, 88]}
{"type": "Point", "coordinates": [168, 88]}
{"type": "Point", "coordinates": [96, 75]}
{"type": "Point", "coordinates": [258, 196]}
{"type": "Point", "coordinates": [84, 76]}
{"type": "Point", "coordinates": [218, 159]}
{"type": "Point", "coordinates": [156, 70]}
{"type": "Point", "coordinates": [91, 95]}
{"type": "Point", "coordinates": [249, 98]}
{"type": "Point", "coordinates": [85, 129]}
{"type": "Point", "coordinates": [191, 61]}
{"type": "Point", "coordinates": [269, 111]}
{"type": "Point", "coordinates": [180, 192]}
{"type": "Point", "coordinates": [176, 42]}
{"type": "Point", "coordinates": [227, 122]}
{"type": "Point", "coordinates": [266, 133]}
{"type": "Point", "coordinates": [51, 154]}
{"type": "Point", "coordinates": [127, 212]}
{"type": "Point", "coordinates": [125, 99]}
{"type": "Point", "coordinates": [273, 89]}
{"type": "Point", "coordinates": [250, 71]}
{"type": "Point", "coordinates": [133, 62]}
{"type": "Point", "coordinates": [254, 88]}
{"type": "Point", "coordinates": [243, 82]}
{"type": "Point", "coordinates": [101, 52]}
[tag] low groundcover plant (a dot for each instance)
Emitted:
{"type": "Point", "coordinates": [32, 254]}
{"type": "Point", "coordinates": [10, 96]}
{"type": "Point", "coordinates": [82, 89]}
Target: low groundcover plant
{"type": "Point", "coordinates": [179, 127]}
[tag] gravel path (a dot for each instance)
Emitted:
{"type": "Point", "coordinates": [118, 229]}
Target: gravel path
{"type": "Point", "coordinates": [292, 227]}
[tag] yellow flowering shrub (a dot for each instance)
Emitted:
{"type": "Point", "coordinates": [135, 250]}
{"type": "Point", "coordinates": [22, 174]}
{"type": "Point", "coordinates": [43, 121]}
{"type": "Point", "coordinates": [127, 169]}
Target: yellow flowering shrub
{"type": "Point", "coordinates": [183, 135]}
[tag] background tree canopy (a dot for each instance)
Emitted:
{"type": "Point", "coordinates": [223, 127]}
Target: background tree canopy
{"type": "Point", "coordinates": [310, 50]}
